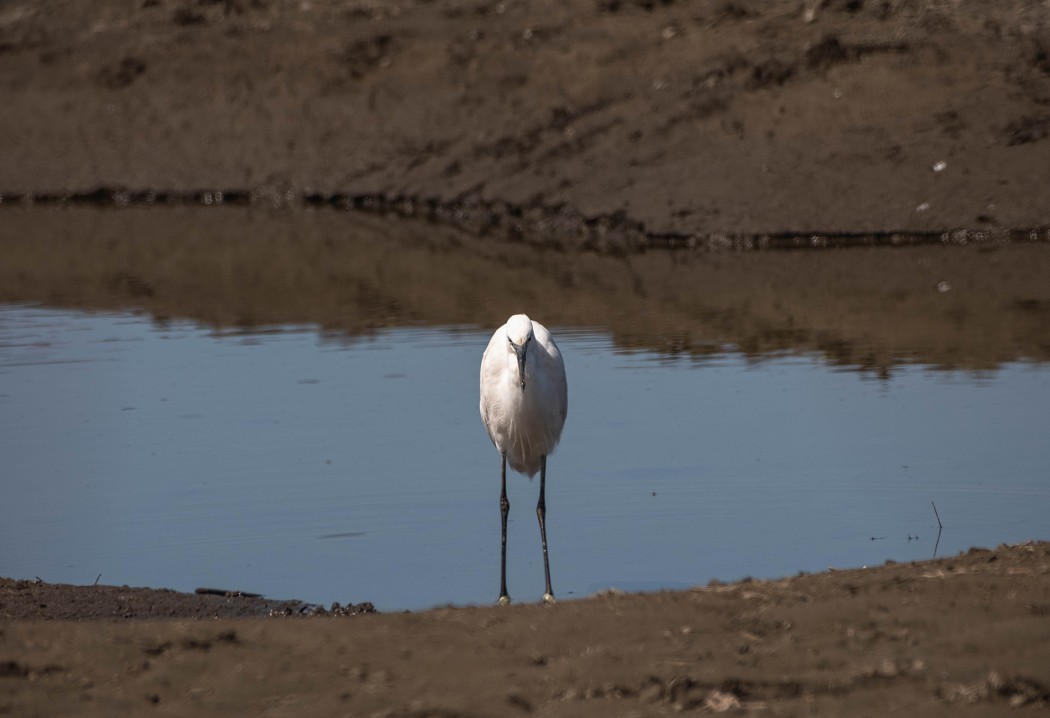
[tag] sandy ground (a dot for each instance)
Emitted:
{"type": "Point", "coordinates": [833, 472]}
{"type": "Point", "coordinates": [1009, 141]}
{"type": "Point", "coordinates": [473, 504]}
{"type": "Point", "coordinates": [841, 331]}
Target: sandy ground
{"type": "Point", "coordinates": [966, 635]}
{"type": "Point", "coordinates": [602, 124]}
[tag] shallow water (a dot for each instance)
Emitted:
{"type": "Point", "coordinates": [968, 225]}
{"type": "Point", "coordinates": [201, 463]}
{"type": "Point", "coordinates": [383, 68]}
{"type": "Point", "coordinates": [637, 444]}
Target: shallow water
{"type": "Point", "coordinates": [304, 464]}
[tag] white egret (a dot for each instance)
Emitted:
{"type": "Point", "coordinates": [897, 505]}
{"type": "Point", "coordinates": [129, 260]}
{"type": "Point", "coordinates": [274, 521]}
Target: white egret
{"type": "Point", "coordinates": [524, 400]}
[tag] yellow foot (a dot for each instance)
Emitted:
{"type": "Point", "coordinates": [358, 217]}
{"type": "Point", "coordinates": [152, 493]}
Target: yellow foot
{"type": "Point", "coordinates": [504, 600]}
{"type": "Point", "coordinates": [549, 598]}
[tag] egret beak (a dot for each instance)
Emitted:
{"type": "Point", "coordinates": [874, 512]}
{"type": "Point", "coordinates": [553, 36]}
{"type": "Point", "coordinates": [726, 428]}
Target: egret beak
{"type": "Point", "coordinates": [520, 352]}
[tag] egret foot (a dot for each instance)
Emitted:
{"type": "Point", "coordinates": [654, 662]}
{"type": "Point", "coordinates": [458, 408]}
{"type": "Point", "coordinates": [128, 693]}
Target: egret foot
{"type": "Point", "coordinates": [504, 600]}
{"type": "Point", "coordinates": [548, 598]}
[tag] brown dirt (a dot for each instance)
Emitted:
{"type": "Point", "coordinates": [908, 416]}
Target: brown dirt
{"type": "Point", "coordinates": [597, 122]}
{"type": "Point", "coordinates": [965, 635]}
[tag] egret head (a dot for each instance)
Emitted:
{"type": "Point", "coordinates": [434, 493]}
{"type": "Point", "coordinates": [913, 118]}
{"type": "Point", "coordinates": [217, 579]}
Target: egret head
{"type": "Point", "coordinates": [519, 337]}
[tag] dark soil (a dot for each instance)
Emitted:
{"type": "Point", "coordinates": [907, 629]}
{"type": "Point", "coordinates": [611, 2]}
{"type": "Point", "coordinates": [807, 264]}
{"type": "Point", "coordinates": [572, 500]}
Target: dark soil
{"type": "Point", "coordinates": [36, 600]}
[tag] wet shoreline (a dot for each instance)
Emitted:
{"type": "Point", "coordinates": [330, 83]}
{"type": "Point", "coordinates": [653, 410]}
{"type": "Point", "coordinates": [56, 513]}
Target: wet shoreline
{"type": "Point", "coordinates": [553, 227]}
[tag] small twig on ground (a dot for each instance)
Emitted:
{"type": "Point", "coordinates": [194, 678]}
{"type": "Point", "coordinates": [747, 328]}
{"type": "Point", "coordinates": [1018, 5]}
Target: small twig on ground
{"type": "Point", "coordinates": [940, 527]}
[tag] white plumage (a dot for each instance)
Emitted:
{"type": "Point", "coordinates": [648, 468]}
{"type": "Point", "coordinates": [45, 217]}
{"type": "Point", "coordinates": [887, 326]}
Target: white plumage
{"type": "Point", "coordinates": [523, 424]}
{"type": "Point", "coordinates": [524, 401]}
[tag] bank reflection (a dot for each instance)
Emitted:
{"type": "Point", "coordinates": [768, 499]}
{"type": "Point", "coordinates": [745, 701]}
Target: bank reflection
{"type": "Point", "coordinates": [870, 309]}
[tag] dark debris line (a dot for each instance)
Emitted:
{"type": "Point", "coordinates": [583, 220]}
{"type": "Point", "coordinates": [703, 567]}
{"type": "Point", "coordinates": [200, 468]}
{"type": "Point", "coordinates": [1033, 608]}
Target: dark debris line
{"type": "Point", "coordinates": [536, 224]}
{"type": "Point", "coordinates": [22, 599]}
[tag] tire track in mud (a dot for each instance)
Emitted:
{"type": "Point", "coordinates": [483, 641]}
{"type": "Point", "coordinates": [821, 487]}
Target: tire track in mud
{"type": "Point", "coordinates": [567, 131]}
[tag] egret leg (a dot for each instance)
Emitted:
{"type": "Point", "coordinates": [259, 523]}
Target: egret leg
{"type": "Point", "coordinates": [541, 514]}
{"type": "Point", "coordinates": [504, 509]}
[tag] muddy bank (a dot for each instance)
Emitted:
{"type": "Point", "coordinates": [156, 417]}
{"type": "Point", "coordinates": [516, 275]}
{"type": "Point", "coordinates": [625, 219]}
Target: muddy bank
{"type": "Point", "coordinates": [605, 124]}
{"type": "Point", "coordinates": [959, 307]}
{"type": "Point", "coordinates": [930, 638]}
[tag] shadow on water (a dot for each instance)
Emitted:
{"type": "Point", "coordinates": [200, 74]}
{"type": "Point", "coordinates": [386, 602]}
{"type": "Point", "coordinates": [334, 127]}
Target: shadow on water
{"type": "Point", "coordinates": [971, 307]}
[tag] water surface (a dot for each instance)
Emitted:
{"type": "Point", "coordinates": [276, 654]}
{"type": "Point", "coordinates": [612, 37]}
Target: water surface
{"type": "Point", "coordinates": [307, 464]}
